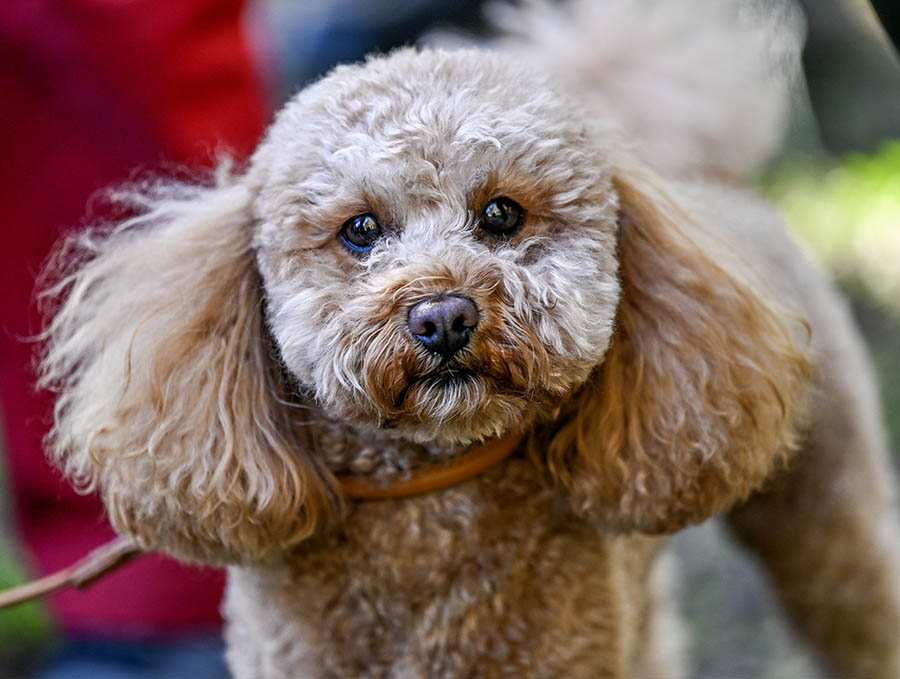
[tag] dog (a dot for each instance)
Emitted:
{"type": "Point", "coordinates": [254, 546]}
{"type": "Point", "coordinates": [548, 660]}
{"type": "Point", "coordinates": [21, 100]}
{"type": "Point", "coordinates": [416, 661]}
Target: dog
{"type": "Point", "coordinates": [543, 250]}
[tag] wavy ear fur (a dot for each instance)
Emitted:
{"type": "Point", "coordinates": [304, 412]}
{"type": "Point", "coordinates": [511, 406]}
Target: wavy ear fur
{"type": "Point", "coordinates": [702, 388]}
{"type": "Point", "coordinates": [169, 402]}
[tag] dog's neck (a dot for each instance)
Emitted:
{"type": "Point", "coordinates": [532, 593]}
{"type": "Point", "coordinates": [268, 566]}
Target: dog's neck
{"type": "Point", "coordinates": [350, 449]}
{"type": "Point", "coordinates": [476, 460]}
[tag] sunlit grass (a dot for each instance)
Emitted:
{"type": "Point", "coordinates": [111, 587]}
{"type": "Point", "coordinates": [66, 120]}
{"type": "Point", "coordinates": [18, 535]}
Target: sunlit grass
{"type": "Point", "coordinates": [24, 624]}
{"type": "Point", "coordinates": [849, 215]}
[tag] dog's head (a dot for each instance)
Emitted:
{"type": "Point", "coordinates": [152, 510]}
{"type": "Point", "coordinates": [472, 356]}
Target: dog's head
{"type": "Point", "coordinates": [436, 234]}
{"type": "Point", "coordinates": [434, 247]}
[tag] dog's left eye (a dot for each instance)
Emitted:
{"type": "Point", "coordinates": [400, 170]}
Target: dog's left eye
{"type": "Point", "coordinates": [360, 233]}
{"type": "Point", "coordinates": [502, 216]}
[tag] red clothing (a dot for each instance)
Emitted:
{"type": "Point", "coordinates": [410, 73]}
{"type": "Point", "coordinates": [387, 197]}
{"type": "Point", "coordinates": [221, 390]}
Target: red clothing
{"type": "Point", "coordinates": [92, 90]}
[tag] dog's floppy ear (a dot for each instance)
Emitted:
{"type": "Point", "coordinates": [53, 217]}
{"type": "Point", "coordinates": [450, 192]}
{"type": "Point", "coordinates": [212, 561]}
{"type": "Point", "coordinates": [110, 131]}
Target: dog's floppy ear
{"type": "Point", "coordinates": [169, 400]}
{"type": "Point", "coordinates": [701, 388]}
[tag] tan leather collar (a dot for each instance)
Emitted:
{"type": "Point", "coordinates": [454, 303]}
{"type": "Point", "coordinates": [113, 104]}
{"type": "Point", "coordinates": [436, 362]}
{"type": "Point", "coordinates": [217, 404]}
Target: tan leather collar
{"type": "Point", "coordinates": [462, 468]}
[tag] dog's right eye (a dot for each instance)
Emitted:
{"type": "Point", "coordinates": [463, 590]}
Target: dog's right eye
{"type": "Point", "coordinates": [360, 233]}
{"type": "Point", "coordinates": [502, 216]}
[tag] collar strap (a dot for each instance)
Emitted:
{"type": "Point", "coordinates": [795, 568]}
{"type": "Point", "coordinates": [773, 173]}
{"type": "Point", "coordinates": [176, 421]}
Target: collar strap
{"type": "Point", "coordinates": [468, 465]}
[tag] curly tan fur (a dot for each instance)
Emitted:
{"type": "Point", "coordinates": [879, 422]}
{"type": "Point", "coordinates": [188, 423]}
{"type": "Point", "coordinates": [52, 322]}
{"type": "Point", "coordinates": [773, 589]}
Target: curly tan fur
{"type": "Point", "coordinates": [170, 398]}
{"type": "Point", "coordinates": [704, 408]}
{"type": "Point", "coordinates": [668, 352]}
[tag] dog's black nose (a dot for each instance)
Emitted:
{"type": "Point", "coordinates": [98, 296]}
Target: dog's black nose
{"type": "Point", "coordinates": [443, 324]}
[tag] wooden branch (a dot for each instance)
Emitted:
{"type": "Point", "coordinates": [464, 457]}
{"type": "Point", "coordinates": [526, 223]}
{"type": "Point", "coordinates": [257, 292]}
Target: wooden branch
{"type": "Point", "coordinates": [105, 558]}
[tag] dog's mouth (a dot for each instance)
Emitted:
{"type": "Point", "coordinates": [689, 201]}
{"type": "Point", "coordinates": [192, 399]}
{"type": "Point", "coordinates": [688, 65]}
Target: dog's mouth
{"type": "Point", "coordinates": [483, 391]}
{"type": "Point", "coordinates": [443, 378]}
{"type": "Point", "coordinates": [448, 376]}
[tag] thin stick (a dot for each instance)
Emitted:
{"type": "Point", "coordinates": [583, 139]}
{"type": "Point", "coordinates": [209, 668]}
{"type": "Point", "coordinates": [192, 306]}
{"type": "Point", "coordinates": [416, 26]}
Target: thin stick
{"type": "Point", "coordinates": [105, 558]}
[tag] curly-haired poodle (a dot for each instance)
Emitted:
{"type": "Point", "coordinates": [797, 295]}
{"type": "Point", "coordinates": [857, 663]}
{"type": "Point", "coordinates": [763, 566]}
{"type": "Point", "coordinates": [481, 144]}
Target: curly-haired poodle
{"type": "Point", "coordinates": [542, 248]}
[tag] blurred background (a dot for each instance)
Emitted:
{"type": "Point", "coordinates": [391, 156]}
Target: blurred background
{"type": "Point", "coordinates": [98, 92]}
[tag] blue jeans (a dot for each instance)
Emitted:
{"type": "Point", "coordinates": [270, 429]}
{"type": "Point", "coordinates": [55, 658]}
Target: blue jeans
{"type": "Point", "coordinates": [192, 658]}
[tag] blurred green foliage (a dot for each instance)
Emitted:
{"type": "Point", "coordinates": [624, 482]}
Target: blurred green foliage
{"type": "Point", "coordinates": [23, 624]}
{"type": "Point", "coordinates": [26, 627]}
{"type": "Point", "coordinates": [847, 213]}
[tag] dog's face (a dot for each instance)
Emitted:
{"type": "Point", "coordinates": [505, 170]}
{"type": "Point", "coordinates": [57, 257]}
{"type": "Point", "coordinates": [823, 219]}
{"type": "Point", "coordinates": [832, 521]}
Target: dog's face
{"type": "Point", "coordinates": [436, 238]}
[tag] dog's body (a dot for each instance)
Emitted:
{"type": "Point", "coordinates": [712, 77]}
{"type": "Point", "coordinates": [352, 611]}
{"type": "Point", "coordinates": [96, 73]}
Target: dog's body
{"type": "Point", "coordinates": [458, 584]}
{"type": "Point", "coordinates": [222, 355]}
{"type": "Point", "coordinates": [452, 585]}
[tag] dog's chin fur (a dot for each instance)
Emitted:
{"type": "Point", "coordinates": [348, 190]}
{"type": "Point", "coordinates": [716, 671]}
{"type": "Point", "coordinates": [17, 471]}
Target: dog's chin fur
{"type": "Point", "coordinates": [456, 410]}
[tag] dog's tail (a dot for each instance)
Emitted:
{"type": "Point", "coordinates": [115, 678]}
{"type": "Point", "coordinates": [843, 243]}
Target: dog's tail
{"type": "Point", "coordinates": [695, 86]}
